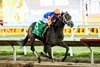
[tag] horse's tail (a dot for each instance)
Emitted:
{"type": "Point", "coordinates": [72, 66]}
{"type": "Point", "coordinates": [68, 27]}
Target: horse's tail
{"type": "Point", "coordinates": [27, 36]}
{"type": "Point", "coordinates": [25, 41]}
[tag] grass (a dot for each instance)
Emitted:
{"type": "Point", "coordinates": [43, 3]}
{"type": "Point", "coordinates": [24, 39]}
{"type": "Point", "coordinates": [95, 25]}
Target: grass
{"type": "Point", "coordinates": [58, 51]}
{"type": "Point", "coordinates": [80, 54]}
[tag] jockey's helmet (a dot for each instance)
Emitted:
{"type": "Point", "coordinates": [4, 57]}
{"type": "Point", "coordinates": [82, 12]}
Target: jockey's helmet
{"type": "Point", "coordinates": [57, 11]}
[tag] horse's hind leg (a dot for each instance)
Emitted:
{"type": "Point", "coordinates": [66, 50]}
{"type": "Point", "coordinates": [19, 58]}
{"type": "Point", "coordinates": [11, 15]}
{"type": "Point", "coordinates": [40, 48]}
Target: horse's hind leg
{"type": "Point", "coordinates": [63, 44]}
{"type": "Point", "coordinates": [25, 40]}
{"type": "Point", "coordinates": [32, 39]}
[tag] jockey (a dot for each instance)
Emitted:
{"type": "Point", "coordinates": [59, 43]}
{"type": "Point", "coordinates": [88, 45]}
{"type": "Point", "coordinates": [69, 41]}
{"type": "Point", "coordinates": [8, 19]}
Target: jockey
{"type": "Point", "coordinates": [49, 16]}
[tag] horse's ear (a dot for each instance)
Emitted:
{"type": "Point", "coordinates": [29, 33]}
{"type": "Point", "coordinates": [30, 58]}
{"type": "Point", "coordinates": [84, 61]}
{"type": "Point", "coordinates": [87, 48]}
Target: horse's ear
{"type": "Point", "coordinates": [62, 13]}
{"type": "Point", "coordinates": [66, 12]}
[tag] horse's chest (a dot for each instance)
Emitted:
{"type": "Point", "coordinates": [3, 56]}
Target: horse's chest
{"type": "Point", "coordinates": [57, 37]}
{"type": "Point", "coordinates": [59, 34]}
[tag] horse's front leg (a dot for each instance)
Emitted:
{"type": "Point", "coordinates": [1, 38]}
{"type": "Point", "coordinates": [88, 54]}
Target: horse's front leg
{"type": "Point", "coordinates": [49, 51]}
{"type": "Point", "coordinates": [45, 51]}
{"type": "Point", "coordinates": [63, 44]}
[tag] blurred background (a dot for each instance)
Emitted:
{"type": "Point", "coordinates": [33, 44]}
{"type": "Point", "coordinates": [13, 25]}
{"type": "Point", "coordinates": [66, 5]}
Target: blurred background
{"type": "Point", "coordinates": [24, 12]}
{"type": "Point", "coordinates": [17, 15]}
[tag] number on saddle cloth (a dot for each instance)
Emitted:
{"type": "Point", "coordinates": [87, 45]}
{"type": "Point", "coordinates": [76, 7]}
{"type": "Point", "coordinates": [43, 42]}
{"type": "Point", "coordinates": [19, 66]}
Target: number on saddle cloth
{"type": "Point", "coordinates": [37, 28]}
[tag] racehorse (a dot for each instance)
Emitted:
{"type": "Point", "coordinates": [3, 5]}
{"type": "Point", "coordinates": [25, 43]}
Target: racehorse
{"type": "Point", "coordinates": [53, 36]}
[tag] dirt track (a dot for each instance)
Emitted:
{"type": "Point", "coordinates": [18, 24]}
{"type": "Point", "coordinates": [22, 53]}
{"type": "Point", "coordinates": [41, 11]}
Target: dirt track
{"type": "Point", "coordinates": [6, 63]}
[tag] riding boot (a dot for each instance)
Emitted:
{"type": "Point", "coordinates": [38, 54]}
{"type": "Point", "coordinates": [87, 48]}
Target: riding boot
{"type": "Point", "coordinates": [43, 27]}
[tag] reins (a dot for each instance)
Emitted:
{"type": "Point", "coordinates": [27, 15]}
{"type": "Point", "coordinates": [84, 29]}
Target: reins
{"type": "Point", "coordinates": [62, 20]}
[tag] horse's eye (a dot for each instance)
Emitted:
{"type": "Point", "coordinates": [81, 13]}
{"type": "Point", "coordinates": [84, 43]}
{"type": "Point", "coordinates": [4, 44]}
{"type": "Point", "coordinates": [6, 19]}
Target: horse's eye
{"type": "Point", "coordinates": [69, 17]}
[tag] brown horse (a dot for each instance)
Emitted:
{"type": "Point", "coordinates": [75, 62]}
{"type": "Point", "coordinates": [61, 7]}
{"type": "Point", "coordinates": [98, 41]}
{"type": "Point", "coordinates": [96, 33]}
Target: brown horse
{"type": "Point", "coordinates": [53, 36]}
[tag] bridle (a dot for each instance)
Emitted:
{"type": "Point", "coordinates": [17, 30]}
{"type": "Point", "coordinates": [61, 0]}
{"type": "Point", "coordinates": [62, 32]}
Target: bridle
{"type": "Point", "coordinates": [63, 20]}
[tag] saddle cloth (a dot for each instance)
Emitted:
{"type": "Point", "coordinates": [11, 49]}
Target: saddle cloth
{"type": "Point", "coordinates": [37, 28]}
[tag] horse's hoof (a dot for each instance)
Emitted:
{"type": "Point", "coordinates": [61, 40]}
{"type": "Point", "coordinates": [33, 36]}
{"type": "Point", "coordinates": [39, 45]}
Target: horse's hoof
{"type": "Point", "coordinates": [63, 60]}
{"type": "Point", "coordinates": [44, 55]}
{"type": "Point", "coordinates": [39, 60]}
{"type": "Point", "coordinates": [52, 60]}
{"type": "Point", "coordinates": [41, 53]}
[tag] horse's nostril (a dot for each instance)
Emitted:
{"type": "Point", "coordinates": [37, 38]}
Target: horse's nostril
{"type": "Point", "coordinates": [72, 25]}
{"type": "Point", "coordinates": [68, 24]}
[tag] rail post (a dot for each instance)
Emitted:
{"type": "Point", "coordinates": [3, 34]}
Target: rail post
{"type": "Point", "coordinates": [14, 53]}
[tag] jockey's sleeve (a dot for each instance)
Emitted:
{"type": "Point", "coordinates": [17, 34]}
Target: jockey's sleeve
{"type": "Point", "coordinates": [49, 20]}
{"type": "Point", "coordinates": [46, 15]}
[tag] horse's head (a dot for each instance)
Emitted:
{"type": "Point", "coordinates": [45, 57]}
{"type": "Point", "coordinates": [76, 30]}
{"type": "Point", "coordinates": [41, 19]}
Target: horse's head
{"type": "Point", "coordinates": [66, 19]}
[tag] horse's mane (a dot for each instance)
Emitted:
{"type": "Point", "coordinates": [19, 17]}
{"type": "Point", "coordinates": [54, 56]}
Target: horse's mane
{"type": "Point", "coordinates": [58, 20]}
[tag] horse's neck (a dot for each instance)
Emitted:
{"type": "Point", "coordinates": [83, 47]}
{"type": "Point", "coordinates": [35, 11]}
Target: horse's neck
{"type": "Point", "coordinates": [59, 26]}
{"type": "Point", "coordinates": [58, 29]}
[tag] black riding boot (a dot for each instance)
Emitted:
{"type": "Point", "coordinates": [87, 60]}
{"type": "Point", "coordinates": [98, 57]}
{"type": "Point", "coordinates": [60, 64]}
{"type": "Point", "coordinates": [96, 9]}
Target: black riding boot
{"type": "Point", "coordinates": [44, 27]}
